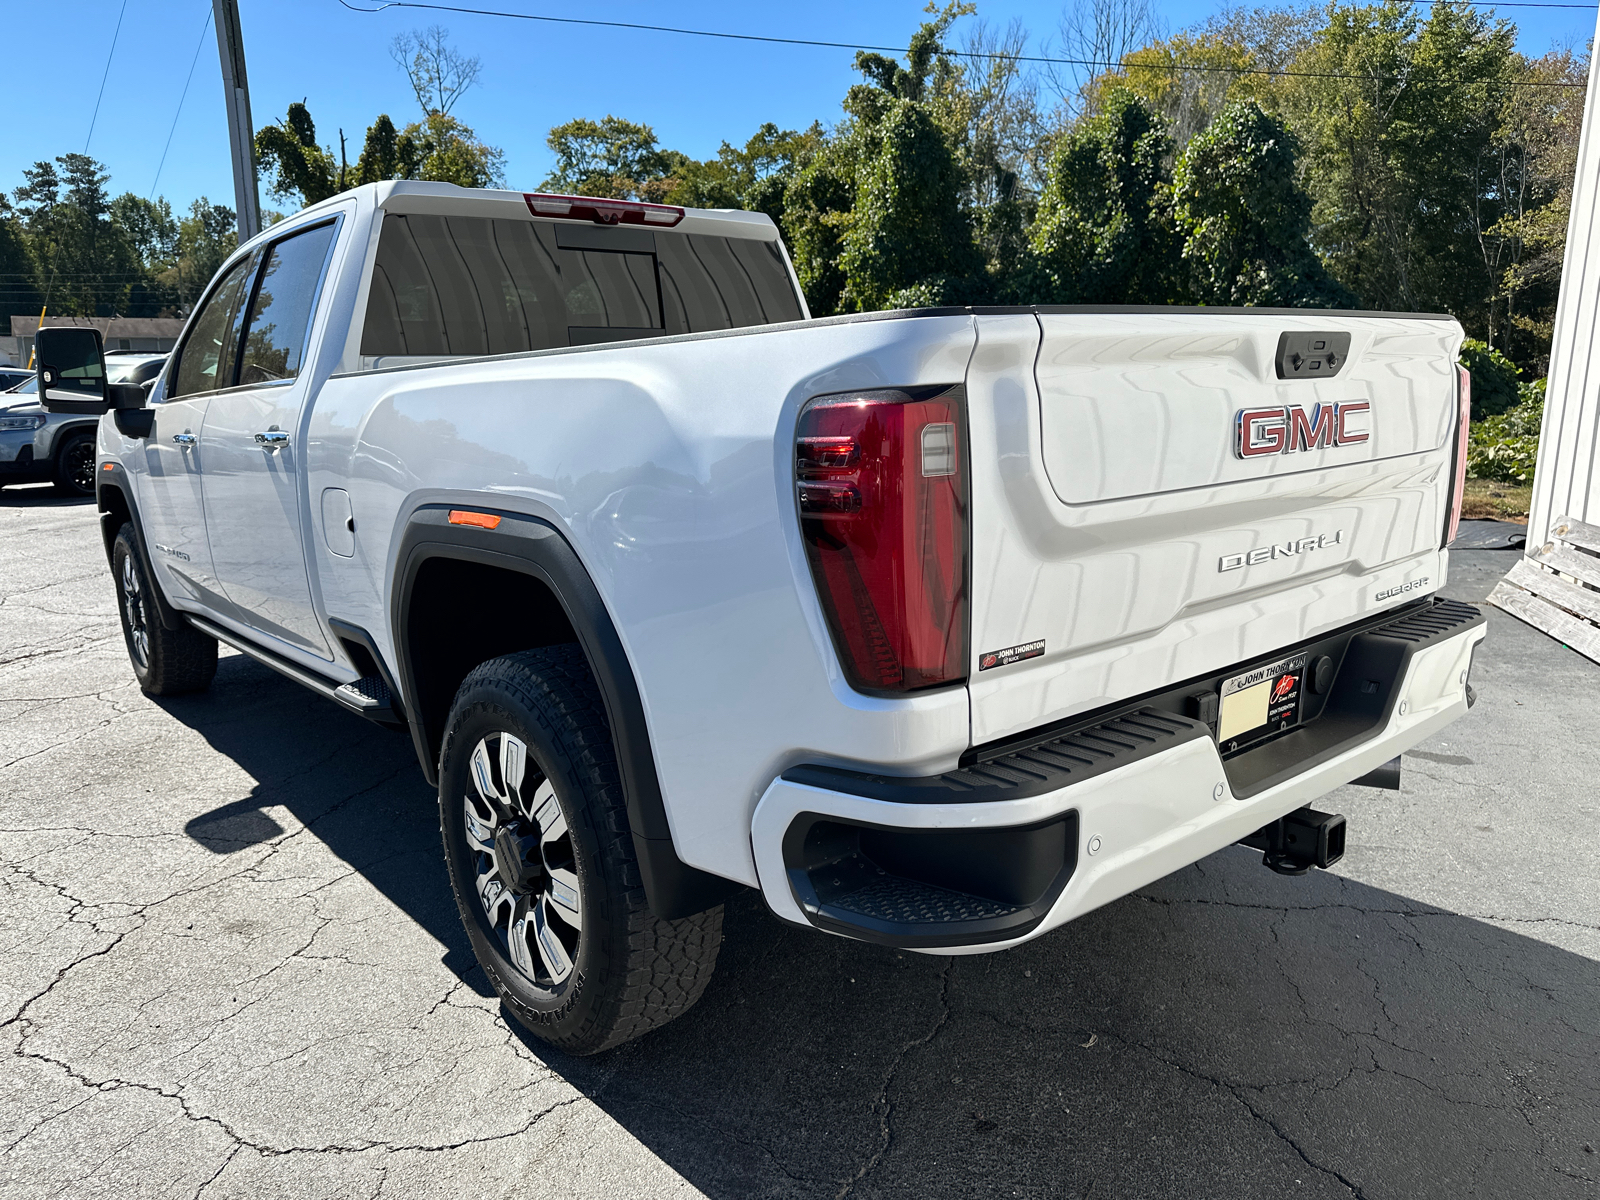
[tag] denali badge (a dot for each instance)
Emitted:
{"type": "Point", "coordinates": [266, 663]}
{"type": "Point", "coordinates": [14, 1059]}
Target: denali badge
{"type": "Point", "coordinates": [1289, 549]}
{"type": "Point", "coordinates": [1288, 428]}
{"type": "Point", "coordinates": [1011, 654]}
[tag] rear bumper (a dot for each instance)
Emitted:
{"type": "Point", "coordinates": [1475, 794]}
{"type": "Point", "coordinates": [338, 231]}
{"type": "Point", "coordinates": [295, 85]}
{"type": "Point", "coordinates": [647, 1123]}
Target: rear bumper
{"type": "Point", "coordinates": [1120, 803]}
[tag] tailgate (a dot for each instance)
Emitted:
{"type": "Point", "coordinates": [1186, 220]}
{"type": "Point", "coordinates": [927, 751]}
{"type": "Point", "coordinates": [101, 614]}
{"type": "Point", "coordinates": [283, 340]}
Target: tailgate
{"type": "Point", "coordinates": [1152, 502]}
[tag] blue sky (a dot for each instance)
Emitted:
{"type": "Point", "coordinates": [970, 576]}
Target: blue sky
{"type": "Point", "coordinates": [695, 92]}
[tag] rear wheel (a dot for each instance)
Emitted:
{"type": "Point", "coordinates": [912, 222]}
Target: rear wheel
{"type": "Point", "coordinates": [74, 475]}
{"type": "Point", "coordinates": [167, 662]}
{"type": "Point", "coordinates": [542, 864]}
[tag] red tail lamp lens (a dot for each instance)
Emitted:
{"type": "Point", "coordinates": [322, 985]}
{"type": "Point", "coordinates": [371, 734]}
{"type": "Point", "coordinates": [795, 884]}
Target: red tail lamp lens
{"type": "Point", "coordinates": [882, 491]}
{"type": "Point", "coordinates": [1459, 483]}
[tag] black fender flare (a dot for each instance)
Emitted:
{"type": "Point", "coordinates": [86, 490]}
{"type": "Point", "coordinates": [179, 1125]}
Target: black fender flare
{"type": "Point", "coordinates": [538, 548]}
{"type": "Point", "coordinates": [112, 477]}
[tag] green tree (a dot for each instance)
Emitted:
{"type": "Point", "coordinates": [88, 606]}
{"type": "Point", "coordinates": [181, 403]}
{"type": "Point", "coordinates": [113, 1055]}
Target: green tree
{"type": "Point", "coordinates": [380, 153]}
{"type": "Point", "coordinates": [1400, 156]}
{"type": "Point", "coordinates": [19, 294]}
{"type": "Point", "coordinates": [611, 158]}
{"type": "Point", "coordinates": [439, 148]}
{"type": "Point", "coordinates": [297, 167]}
{"type": "Point", "coordinates": [989, 107]}
{"type": "Point", "coordinates": [909, 242]}
{"type": "Point", "coordinates": [149, 227]}
{"type": "Point", "coordinates": [205, 239]}
{"type": "Point", "coordinates": [1243, 216]}
{"type": "Point", "coordinates": [817, 208]}
{"type": "Point", "coordinates": [1496, 380]}
{"type": "Point", "coordinates": [878, 216]}
{"type": "Point", "coordinates": [86, 263]}
{"type": "Point", "coordinates": [1104, 234]}
{"type": "Point", "coordinates": [1537, 155]}
{"type": "Point", "coordinates": [444, 150]}
{"type": "Point", "coordinates": [753, 177]}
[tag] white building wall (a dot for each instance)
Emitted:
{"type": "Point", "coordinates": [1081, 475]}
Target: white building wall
{"type": "Point", "coordinates": [1567, 482]}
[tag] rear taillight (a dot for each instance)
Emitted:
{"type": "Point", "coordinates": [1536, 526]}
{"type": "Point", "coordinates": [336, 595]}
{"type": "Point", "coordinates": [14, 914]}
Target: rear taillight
{"type": "Point", "coordinates": [1458, 482]}
{"type": "Point", "coordinates": [882, 491]}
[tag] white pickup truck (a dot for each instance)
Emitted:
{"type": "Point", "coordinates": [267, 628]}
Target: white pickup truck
{"type": "Point", "coordinates": [939, 628]}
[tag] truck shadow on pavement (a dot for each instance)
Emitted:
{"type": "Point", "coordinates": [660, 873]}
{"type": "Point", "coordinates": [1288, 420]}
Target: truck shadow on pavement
{"type": "Point", "coordinates": [1225, 1032]}
{"type": "Point", "coordinates": [38, 496]}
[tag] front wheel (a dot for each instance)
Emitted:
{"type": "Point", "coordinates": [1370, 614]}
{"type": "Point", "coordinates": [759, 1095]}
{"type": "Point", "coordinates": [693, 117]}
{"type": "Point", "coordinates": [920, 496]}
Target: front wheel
{"type": "Point", "coordinates": [167, 662]}
{"type": "Point", "coordinates": [542, 864]}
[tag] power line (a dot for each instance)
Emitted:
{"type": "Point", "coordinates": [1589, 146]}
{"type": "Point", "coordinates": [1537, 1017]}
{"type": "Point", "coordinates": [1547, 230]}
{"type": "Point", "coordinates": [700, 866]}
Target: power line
{"type": "Point", "coordinates": [181, 98]}
{"type": "Point", "coordinates": [117, 32]}
{"type": "Point", "coordinates": [1019, 58]}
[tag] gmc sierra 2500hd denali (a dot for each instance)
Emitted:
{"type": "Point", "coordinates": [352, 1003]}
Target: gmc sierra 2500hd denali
{"type": "Point", "coordinates": [940, 628]}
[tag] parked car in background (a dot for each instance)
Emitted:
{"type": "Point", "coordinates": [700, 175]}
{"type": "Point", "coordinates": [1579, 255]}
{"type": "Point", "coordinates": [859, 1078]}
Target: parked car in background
{"type": "Point", "coordinates": [41, 447]}
{"type": "Point", "coordinates": [11, 376]}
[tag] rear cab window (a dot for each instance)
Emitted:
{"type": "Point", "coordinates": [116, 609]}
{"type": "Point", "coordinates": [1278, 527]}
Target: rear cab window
{"type": "Point", "coordinates": [467, 286]}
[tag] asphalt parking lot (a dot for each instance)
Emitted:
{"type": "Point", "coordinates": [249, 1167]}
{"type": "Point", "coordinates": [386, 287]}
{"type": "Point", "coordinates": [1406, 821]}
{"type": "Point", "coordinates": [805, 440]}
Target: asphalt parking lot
{"type": "Point", "coordinates": [230, 966]}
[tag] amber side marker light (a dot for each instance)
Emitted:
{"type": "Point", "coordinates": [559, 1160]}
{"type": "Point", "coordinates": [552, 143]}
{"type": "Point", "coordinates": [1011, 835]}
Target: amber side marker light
{"type": "Point", "coordinates": [107, 466]}
{"type": "Point", "coordinates": [460, 516]}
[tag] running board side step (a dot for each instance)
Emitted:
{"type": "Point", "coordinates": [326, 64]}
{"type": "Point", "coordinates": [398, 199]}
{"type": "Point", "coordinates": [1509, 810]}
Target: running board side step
{"type": "Point", "coordinates": [369, 697]}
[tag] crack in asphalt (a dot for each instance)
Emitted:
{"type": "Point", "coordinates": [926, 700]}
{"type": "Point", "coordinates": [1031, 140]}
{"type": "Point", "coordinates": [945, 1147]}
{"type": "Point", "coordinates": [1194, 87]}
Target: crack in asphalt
{"type": "Point", "coordinates": [53, 651]}
{"type": "Point", "coordinates": [361, 1146]}
{"type": "Point", "coordinates": [883, 1105]}
{"type": "Point", "coordinates": [223, 1166]}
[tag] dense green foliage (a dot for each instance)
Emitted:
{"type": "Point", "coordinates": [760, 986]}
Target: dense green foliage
{"type": "Point", "coordinates": [1496, 380]}
{"type": "Point", "coordinates": [1104, 232]}
{"type": "Point", "coordinates": [1244, 217]}
{"type": "Point", "coordinates": [1374, 156]}
{"type": "Point", "coordinates": [1506, 447]}
{"type": "Point", "coordinates": [66, 243]}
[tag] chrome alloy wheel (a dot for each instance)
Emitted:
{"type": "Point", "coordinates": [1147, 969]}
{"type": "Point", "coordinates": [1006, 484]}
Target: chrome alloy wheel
{"type": "Point", "coordinates": [132, 597]}
{"type": "Point", "coordinates": [526, 872]}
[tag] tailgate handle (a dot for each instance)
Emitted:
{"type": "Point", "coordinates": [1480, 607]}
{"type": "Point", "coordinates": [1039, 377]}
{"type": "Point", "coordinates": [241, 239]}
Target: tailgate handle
{"type": "Point", "coordinates": [1311, 355]}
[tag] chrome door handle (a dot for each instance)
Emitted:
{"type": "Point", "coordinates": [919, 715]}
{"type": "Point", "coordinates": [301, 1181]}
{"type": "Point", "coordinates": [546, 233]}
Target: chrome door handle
{"type": "Point", "coordinates": [272, 439]}
{"type": "Point", "coordinates": [184, 439]}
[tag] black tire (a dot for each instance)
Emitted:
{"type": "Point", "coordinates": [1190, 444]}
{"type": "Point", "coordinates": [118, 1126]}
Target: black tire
{"type": "Point", "coordinates": [167, 662]}
{"type": "Point", "coordinates": [74, 473]}
{"type": "Point", "coordinates": [628, 971]}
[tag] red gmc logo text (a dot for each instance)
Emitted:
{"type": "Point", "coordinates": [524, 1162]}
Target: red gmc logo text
{"type": "Point", "coordinates": [1288, 428]}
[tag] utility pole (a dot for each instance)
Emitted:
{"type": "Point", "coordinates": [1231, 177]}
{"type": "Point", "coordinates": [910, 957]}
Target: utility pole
{"type": "Point", "coordinates": [241, 130]}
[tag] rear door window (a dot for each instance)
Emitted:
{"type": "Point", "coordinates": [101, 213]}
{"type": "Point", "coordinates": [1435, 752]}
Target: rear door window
{"type": "Point", "coordinates": [275, 340]}
{"type": "Point", "coordinates": [466, 286]}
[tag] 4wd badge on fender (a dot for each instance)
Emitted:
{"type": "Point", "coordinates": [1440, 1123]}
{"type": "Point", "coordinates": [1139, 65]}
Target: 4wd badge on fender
{"type": "Point", "coordinates": [1291, 427]}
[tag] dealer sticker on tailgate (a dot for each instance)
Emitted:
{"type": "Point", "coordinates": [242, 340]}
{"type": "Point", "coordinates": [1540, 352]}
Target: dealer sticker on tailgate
{"type": "Point", "coordinates": [1262, 700]}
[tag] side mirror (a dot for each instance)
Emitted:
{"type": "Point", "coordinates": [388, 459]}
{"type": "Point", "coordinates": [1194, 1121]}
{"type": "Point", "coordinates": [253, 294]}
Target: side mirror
{"type": "Point", "coordinates": [126, 401]}
{"type": "Point", "coordinates": [71, 370]}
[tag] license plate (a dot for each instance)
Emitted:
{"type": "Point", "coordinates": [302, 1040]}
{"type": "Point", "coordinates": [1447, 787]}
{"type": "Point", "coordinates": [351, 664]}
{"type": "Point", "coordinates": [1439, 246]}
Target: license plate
{"type": "Point", "coordinates": [1261, 701]}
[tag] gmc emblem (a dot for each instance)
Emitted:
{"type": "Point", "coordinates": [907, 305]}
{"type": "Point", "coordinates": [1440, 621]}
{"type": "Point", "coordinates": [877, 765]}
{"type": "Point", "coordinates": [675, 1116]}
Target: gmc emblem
{"type": "Point", "coordinates": [1288, 428]}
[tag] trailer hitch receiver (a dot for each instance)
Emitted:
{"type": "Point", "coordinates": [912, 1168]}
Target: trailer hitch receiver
{"type": "Point", "coordinates": [1306, 838]}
